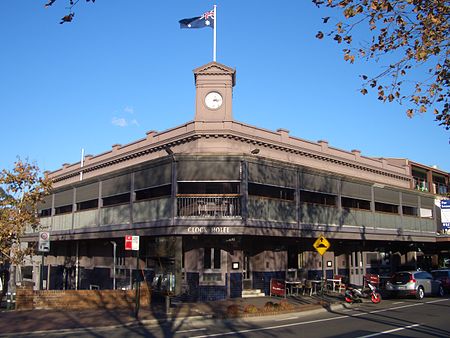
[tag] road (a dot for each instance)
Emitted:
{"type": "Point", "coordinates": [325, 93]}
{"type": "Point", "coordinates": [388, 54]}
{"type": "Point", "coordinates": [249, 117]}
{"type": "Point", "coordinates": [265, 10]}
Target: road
{"type": "Point", "coordinates": [429, 317]}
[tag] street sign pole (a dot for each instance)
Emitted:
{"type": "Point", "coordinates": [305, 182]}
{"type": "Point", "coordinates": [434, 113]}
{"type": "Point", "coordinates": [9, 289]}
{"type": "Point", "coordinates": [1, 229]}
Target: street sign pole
{"type": "Point", "coordinates": [322, 245]}
{"type": "Point", "coordinates": [41, 282]}
{"type": "Point", "coordinates": [138, 296]}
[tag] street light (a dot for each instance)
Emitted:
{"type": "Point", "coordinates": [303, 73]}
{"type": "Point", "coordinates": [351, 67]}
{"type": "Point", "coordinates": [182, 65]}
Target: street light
{"type": "Point", "coordinates": [114, 263]}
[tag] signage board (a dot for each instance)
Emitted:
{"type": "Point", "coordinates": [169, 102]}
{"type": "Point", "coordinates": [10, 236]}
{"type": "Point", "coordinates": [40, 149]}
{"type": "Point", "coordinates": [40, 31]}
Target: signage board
{"type": "Point", "coordinates": [445, 214]}
{"type": "Point", "coordinates": [132, 242]}
{"type": "Point", "coordinates": [44, 241]}
{"type": "Point", "coordinates": [277, 287]}
{"type": "Point", "coordinates": [321, 245]}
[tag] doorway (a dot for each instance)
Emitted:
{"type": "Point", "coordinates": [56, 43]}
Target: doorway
{"type": "Point", "coordinates": [247, 282]}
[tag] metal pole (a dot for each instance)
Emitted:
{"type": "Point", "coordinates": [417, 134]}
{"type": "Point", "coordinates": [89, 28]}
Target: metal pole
{"type": "Point", "coordinates": [215, 36]}
{"type": "Point", "coordinates": [137, 286]}
{"type": "Point", "coordinates": [41, 282]}
{"type": "Point", "coordinates": [114, 263]}
{"type": "Point", "coordinates": [323, 278]}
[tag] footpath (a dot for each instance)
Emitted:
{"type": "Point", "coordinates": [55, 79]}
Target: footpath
{"type": "Point", "coordinates": [35, 321]}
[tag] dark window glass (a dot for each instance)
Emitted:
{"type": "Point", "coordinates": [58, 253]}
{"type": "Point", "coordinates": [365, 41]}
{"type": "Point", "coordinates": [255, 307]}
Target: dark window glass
{"type": "Point", "coordinates": [217, 259]}
{"type": "Point", "coordinates": [355, 203]}
{"type": "Point", "coordinates": [63, 209]}
{"type": "Point", "coordinates": [46, 213]}
{"type": "Point", "coordinates": [384, 207]}
{"type": "Point", "coordinates": [270, 191]}
{"type": "Point", "coordinates": [92, 204]}
{"type": "Point", "coordinates": [411, 211]}
{"type": "Point", "coordinates": [117, 199]}
{"type": "Point", "coordinates": [208, 187]}
{"type": "Point", "coordinates": [144, 194]}
{"type": "Point", "coordinates": [317, 198]}
{"type": "Point", "coordinates": [207, 258]}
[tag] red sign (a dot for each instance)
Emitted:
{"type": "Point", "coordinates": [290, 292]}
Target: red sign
{"type": "Point", "coordinates": [131, 242]}
{"type": "Point", "coordinates": [277, 287]}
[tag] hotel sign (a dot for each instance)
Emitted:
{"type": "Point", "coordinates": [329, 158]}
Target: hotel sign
{"type": "Point", "coordinates": [445, 214]}
{"type": "Point", "coordinates": [208, 230]}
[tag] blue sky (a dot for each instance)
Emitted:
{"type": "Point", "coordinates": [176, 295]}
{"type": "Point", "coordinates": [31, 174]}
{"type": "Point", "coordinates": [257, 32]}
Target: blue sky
{"type": "Point", "coordinates": [122, 68]}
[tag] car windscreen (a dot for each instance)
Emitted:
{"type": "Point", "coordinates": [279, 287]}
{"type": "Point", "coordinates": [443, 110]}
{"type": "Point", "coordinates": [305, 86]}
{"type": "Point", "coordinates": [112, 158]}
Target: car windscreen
{"type": "Point", "coordinates": [401, 278]}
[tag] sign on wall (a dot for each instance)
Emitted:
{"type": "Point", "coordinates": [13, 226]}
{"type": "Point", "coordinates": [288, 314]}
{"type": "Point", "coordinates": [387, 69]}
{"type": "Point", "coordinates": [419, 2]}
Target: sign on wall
{"type": "Point", "coordinates": [445, 214]}
{"type": "Point", "coordinates": [132, 242]}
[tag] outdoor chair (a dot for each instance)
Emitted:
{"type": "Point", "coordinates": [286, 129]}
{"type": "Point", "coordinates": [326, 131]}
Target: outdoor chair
{"type": "Point", "coordinates": [308, 286]}
{"type": "Point", "coordinates": [339, 286]}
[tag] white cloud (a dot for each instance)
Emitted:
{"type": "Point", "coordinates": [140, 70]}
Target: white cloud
{"type": "Point", "coordinates": [134, 122]}
{"type": "Point", "coordinates": [129, 110]}
{"type": "Point", "coordinates": [119, 121]}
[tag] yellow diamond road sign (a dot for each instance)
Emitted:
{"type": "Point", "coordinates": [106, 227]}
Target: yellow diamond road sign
{"type": "Point", "coordinates": [321, 245]}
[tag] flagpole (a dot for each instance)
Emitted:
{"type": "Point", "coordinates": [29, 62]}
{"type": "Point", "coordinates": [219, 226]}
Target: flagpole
{"type": "Point", "coordinates": [215, 24]}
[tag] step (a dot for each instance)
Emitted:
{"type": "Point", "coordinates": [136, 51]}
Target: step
{"type": "Point", "coordinates": [252, 293]}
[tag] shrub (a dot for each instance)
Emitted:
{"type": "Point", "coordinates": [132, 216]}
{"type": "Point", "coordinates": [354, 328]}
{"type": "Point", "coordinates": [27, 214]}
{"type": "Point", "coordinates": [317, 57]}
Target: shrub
{"type": "Point", "coordinates": [250, 308]}
{"type": "Point", "coordinates": [233, 310]}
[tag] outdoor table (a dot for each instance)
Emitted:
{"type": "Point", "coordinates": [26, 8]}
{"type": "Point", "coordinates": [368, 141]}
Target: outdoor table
{"type": "Point", "coordinates": [292, 285]}
{"type": "Point", "coordinates": [334, 281]}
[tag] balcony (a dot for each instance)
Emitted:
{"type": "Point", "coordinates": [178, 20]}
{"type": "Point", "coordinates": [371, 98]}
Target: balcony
{"type": "Point", "coordinates": [440, 188]}
{"type": "Point", "coordinates": [420, 184]}
{"type": "Point", "coordinates": [210, 206]}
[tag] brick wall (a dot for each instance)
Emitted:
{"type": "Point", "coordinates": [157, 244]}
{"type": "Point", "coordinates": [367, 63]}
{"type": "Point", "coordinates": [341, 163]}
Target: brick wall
{"type": "Point", "coordinates": [27, 299]}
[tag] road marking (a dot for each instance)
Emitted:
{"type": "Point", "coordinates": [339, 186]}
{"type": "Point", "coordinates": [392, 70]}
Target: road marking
{"type": "Point", "coordinates": [389, 331]}
{"type": "Point", "coordinates": [317, 321]}
{"type": "Point", "coordinates": [192, 330]}
{"type": "Point", "coordinates": [397, 302]}
{"type": "Point", "coordinates": [437, 301]}
{"type": "Point", "coordinates": [290, 318]}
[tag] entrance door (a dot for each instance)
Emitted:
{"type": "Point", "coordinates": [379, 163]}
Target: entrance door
{"type": "Point", "coordinates": [356, 267]}
{"type": "Point", "coordinates": [247, 283]}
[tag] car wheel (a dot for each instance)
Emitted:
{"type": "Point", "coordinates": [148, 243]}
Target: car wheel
{"type": "Point", "coordinates": [441, 291]}
{"type": "Point", "coordinates": [420, 293]}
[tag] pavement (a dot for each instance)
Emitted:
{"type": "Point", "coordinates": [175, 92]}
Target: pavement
{"type": "Point", "coordinates": [40, 321]}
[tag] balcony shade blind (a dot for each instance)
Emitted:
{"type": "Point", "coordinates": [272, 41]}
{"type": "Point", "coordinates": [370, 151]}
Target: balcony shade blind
{"type": "Point", "coordinates": [410, 200]}
{"type": "Point", "coordinates": [87, 192]}
{"type": "Point", "coordinates": [64, 198]}
{"type": "Point", "coordinates": [427, 203]}
{"type": "Point", "coordinates": [265, 174]}
{"type": "Point", "coordinates": [356, 190]}
{"type": "Point", "coordinates": [318, 183]}
{"type": "Point", "coordinates": [116, 185]}
{"type": "Point", "coordinates": [388, 196]}
{"type": "Point", "coordinates": [153, 177]}
{"type": "Point", "coordinates": [208, 170]}
{"type": "Point", "coordinates": [46, 203]}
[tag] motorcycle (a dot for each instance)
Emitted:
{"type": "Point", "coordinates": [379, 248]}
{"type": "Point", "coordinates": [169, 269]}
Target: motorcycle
{"type": "Point", "coordinates": [355, 295]}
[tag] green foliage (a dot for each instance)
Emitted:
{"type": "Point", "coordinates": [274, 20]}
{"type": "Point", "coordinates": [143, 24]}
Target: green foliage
{"type": "Point", "coordinates": [413, 36]}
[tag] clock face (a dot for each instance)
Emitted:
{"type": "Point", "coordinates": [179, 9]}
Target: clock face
{"type": "Point", "coordinates": [213, 100]}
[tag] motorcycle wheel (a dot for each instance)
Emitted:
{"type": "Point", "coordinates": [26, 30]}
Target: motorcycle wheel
{"type": "Point", "coordinates": [348, 300]}
{"type": "Point", "coordinates": [376, 298]}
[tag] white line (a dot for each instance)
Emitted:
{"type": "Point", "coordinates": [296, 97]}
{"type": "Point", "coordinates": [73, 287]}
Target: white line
{"type": "Point", "coordinates": [397, 302]}
{"type": "Point", "coordinates": [316, 321]}
{"type": "Point", "coordinates": [192, 330]}
{"type": "Point", "coordinates": [389, 331]}
{"type": "Point", "coordinates": [290, 318]}
{"type": "Point", "coordinates": [437, 301]}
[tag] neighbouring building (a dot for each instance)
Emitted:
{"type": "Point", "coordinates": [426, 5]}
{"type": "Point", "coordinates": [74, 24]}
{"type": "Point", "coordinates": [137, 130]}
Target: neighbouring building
{"type": "Point", "coordinates": [221, 207]}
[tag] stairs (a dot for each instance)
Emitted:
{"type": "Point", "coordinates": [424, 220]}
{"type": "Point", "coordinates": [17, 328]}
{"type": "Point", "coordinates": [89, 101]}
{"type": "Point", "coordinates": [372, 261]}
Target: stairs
{"type": "Point", "coordinates": [252, 293]}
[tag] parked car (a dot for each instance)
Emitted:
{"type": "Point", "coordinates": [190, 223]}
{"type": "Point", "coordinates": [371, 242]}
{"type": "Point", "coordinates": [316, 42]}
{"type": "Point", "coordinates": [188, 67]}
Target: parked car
{"type": "Point", "coordinates": [413, 283]}
{"type": "Point", "coordinates": [444, 276]}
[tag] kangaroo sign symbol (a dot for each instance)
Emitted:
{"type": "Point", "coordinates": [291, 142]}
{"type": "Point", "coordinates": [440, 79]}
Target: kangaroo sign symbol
{"type": "Point", "coordinates": [321, 245]}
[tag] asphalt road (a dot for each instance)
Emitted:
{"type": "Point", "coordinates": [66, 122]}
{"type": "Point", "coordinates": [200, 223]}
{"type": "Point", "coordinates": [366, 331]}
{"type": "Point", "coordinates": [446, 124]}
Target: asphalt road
{"type": "Point", "coordinates": [429, 317]}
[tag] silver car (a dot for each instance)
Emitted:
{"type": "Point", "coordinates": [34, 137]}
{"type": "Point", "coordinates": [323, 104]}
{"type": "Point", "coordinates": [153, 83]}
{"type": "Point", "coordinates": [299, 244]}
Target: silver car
{"type": "Point", "coordinates": [413, 283]}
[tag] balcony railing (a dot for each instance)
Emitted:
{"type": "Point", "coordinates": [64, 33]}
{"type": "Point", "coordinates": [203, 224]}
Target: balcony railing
{"type": "Point", "coordinates": [439, 188]}
{"type": "Point", "coordinates": [420, 184]}
{"type": "Point", "coordinates": [209, 206]}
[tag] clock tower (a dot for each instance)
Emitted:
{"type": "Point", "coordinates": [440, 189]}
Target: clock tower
{"type": "Point", "coordinates": [214, 84]}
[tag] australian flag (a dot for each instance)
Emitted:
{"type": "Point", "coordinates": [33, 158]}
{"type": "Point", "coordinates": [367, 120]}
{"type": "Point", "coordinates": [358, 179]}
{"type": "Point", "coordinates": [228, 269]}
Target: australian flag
{"type": "Point", "coordinates": [206, 20]}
